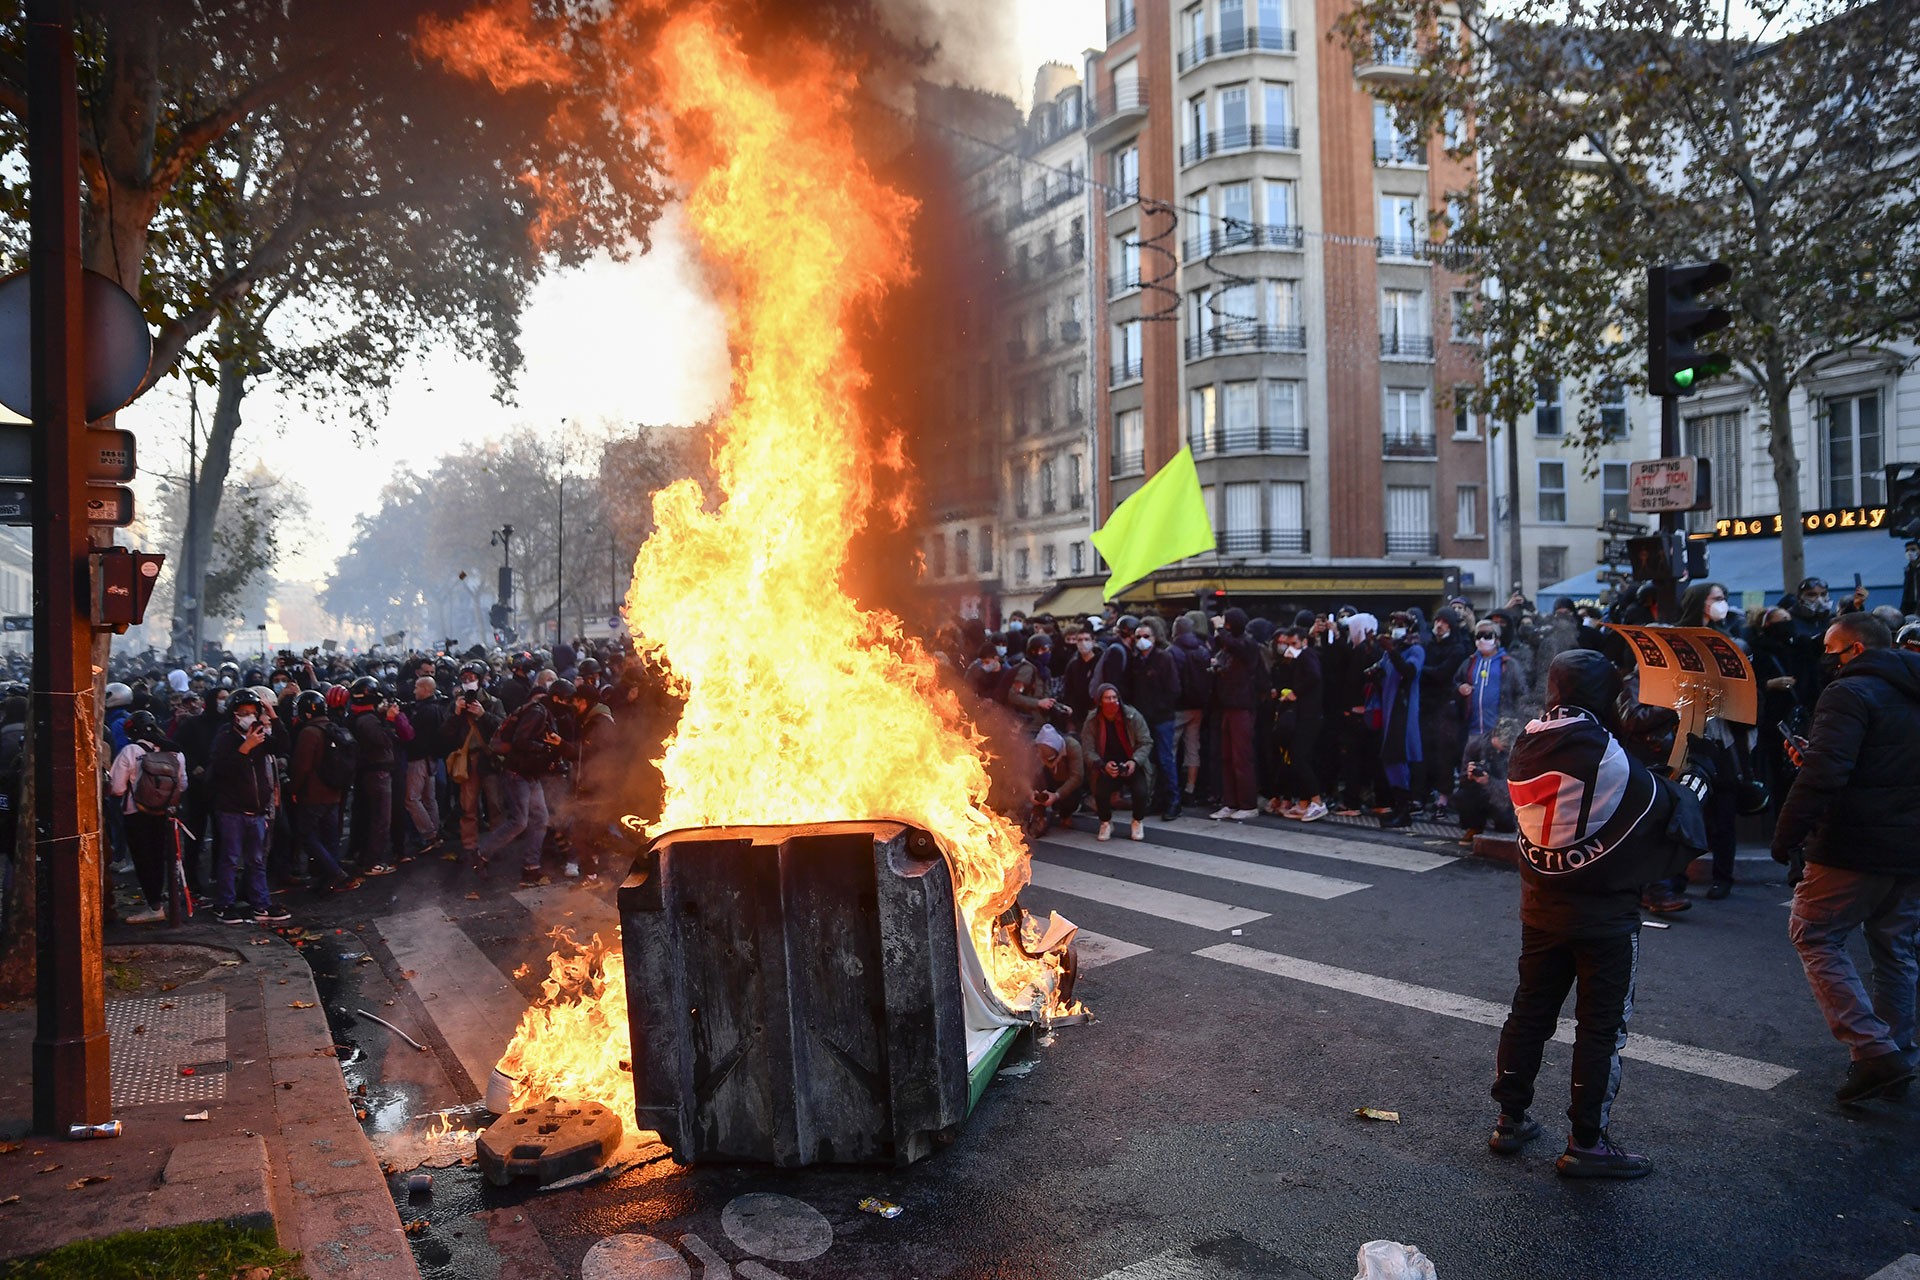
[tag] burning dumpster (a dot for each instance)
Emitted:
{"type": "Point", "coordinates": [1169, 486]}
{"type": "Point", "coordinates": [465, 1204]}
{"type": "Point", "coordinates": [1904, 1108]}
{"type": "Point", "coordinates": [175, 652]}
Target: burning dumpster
{"type": "Point", "coordinates": [797, 994]}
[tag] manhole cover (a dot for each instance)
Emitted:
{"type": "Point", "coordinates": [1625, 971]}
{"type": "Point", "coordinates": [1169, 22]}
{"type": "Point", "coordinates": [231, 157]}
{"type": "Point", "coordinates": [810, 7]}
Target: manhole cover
{"type": "Point", "coordinates": [548, 1141]}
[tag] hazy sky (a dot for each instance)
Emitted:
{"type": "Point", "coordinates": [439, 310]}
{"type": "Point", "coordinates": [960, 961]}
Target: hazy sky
{"type": "Point", "coordinates": [635, 341]}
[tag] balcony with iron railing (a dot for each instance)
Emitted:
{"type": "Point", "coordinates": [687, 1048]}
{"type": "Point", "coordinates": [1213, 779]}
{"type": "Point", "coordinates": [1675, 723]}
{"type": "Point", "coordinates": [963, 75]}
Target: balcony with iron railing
{"type": "Point", "coordinates": [1248, 137]}
{"type": "Point", "coordinates": [1122, 194]}
{"type": "Point", "coordinates": [1061, 193]}
{"type": "Point", "coordinates": [1124, 372]}
{"type": "Point", "coordinates": [1403, 248]}
{"type": "Point", "coordinates": [1413, 544]}
{"type": "Point", "coordinates": [1399, 152]}
{"type": "Point", "coordinates": [1237, 236]}
{"type": "Point", "coordinates": [1238, 338]}
{"type": "Point", "coordinates": [1248, 438]}
{"type": "Point", "coordinates": [1238, 40]}
{"type": "Point", "coordinates": [1129, 464]}
{"type": "Point", "coordinates": [1406, 346]}
{"type": "Point", "coordinates": [1401, 445]}
{"type": "Point", "coordinates": [1241, 542]}
{"type": "Point", "coordinates": [1391, 62]}
{"type": "Point", "coordinates": [1122, 104]}
{"type": "Point", "coordinates": [1121, 25]}
{"type": "Point", "coordinates": [1123, 282]}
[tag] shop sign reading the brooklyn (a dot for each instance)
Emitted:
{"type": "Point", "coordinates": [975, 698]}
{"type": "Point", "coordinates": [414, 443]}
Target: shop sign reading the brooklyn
{"type": "Point", "coordinates": [1831, 520]}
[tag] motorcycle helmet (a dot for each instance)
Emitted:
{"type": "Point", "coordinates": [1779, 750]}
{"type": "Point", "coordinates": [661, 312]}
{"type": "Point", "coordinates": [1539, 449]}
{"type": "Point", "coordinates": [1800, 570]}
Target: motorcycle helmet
{"type": "Point", "coordinates": [309, 705]}
{"type": "Point", "coordinates": [364, 693]}
{"type": "Point", "coordinates": [142, 726]}
{"type": "Point", "coordinates": [118, 695]}
{"type": "Point", "coordinates": [336, 696]}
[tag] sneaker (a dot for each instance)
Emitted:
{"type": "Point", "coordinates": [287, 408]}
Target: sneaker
{"type": "Point", "coordinates": [124, 867]}
{"type": "Point", "coordinates": [1662, 901]}
{"type": "Point", "coordinates": [271, 914]}
{"type": "Point", "coordinates": [1224, 811]}
{"type": "Point", "coordinates": [1313, 812]}
{"type": "Point", "coordinates": [234, 913]}
{"type": "Point", "coordinates": [1467, 838]}
{"type": "Point", "coordinates": [1172, 814]}
{"type": "Point", "coordinates": [431, 843]}
{"type": "Point", "coordinates": [152, 915]}
{"type": "Point", "coordinates": [1510, 1134]}
{"type": "Point", "coordinates": [592, 877]}
{"type": "Point", "coordinates": [1400, 821]}
{"type": "Point", "coordinates": [1872, 1078]}
{"type": "Point", "coordinates": [1105, 832]}
{"type": "Point", "coordinates": [533, 877]}
{"type": "Point", "coordinates": [1346, 811]}
{"type": "Point", "coordinates": [573, 871]}
{"type": "Point", "coordinates": [1602, 1160]}
{"type": "Point", "coordinates": [1719, 889]}
{"type": "Point", "coordinates": [345, 886]}
{"type": "Point", "coordinates": [1241, 815]}
{"type": "Point", "coordinates": [379, 869]}
{"type": "Point", "coordinates": [1137, 831]}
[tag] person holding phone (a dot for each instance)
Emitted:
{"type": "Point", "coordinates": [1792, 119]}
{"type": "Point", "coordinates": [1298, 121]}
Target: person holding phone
{"type": "Point", "coordinates": [241, 772]}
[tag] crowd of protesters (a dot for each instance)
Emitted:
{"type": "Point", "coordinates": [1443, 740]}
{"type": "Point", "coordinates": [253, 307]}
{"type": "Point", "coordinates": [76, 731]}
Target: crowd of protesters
{"type": "Point", "coordinates": [229, 787]}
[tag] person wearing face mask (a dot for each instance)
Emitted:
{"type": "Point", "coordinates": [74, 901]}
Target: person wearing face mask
{"type": "Point", "coordinates": [1705, 605]}
{"type": "Point", "coordinates": [1296, 730]}
{"type": "Point", "coordinates": [1440, 727]}
{"type": "Point", "coordinates": [1155, 681]}
{"type": "Point", "coordinates": [1117, 748]}
{"type": "Point", "coordinates": [988, 677]}
{"type": "Point", "coordinates": [1030, 692]}
{"type": "Point", "coordinates": [1076, 688]}
{"type": "Point", "coordinates": [1402, 659]}
{"type": "Point", "coordinates": [1193, 661]}
{"type": "Point", "coordinates": [1487, 683]}
{"type": "Point", "coordinates": [241, 777]}
{"type": "Point", "coordinates": [1853, 812]}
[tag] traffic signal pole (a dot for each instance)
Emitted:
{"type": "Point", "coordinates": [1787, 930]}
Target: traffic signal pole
{"type": "Point", "coordinates": [70, 1084]}
{"type": "Point", "coordinates": [1667, 593]}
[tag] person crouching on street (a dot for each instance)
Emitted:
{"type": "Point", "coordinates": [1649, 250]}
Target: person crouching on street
{"type": "Point", "coordinates": [1595, 826]}
{"type": "Point", "coordinates": [1063, 773]}
{"type": "Point", "coordinates": [1117, 747]}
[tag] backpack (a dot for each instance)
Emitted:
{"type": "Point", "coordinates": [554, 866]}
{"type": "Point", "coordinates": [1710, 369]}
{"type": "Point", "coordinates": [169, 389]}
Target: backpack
{"type": "Point", "coordinates": [339, 755]}
{"type": "Point", "coordinates": [156, 788]}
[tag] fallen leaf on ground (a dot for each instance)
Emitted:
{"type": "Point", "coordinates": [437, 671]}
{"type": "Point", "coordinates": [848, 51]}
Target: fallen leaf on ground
{"type": "Point", "coordinates": [229, 964]}
{"type": "Point", "coordinates": [407, 974]}
{"type": "Point", "coordinates": [168, 986]}
{"type": "Point", "coordinates": [473, 897]}
{"type": "Point", "coordinates": [166, 1004]}
{"type": "Point", "coordinates": [261, 942]}
{"type": "Point", "coordinates": [523, 971]}
{"type": "Point", "coordinates": [364, 960]}
{"type": "Point", "coordinates": [286, 1084]}
{"type": "Point", "coordinates": [1374, 1113]}
{"type": "Point", "coordinates": [283, 982]}
{"type": "Point", "coordinates": [8, 1148]}
{"type": "Point", "coordinates": [140, 1030]}
{"type": "Point", "coordinates": [11, 1200]}
{"type": "Point", "coordinates": [88, 1180]}
{"type": "Point", "coordinates": [299, 1004]}
{"type": "Point", "coordinates": [49, 1169]}
{"type": "Point", "coordinates": [415, 1227]}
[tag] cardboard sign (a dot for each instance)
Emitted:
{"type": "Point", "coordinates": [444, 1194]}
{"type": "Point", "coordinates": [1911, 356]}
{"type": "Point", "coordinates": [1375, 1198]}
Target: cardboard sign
{"type": "Point", "coordinates": [1698, 672]}
{"type": "Point", "coordinates": [1668, 484]}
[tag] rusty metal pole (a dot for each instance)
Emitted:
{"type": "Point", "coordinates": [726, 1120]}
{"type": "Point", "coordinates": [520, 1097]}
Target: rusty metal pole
{"type": "Point", "coordinates": [70, 1043]}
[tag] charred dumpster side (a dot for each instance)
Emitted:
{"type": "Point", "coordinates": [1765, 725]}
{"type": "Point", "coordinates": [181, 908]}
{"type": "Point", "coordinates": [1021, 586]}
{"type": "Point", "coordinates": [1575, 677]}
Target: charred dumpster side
{"type": "Point", "coordinates": [794, 993]}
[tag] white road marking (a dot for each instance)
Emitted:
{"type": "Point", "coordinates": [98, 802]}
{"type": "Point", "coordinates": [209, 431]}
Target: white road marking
{"type": "Point", "coordinates": [1905, 1267]}
{"type": "Point", "coordinates": [1096, 949]}
{"type": "Point", "coordinates": [754, 1271]}
{"type": "Point", "coordinates": [1726, 1067]}
{"type": "Point", "coordinates": [1174, 1264]}
{"type": "Point", "coordinates": [1164, 903]}
{"type": "Point", "coordinates": [775, 1226]}
{"type": "Point", "coordinates": [471, 1002]}
{"type": "Point", "coordinates": [1305, 883]}
{"type": "Point", "coordinates": [712, 1265]}
{"type": "Point", "coordinates": [1305, 838]}
{"type": "Point", "coordinates": [634, 1257]}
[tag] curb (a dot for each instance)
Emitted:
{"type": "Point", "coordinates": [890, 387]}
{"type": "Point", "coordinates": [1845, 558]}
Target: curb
{"type": "Point", "coordinates": [331, 1202]}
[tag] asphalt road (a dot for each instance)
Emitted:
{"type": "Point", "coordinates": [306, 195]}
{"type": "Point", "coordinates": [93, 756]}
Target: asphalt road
{"type": "Point", "coordinates": [1252, 988]}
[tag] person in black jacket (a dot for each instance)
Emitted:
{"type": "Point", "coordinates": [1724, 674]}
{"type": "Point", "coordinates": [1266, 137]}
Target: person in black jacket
{"type": "Point", "coordinates": [375, 725]}
{"type": "Point", "coordinates": [1440, 723]}
{"type": "Point", "coordinates": [1855, 808]}
{"type": "Point", "coordinates": [240, 775]}
{"type": "Point", "coordinates": [428, 716]}
{"type": "Point", "coordinates": [528, 738]}
{"type": "Point", "coordinates": [1155, 682]}
{"type": "Point", "coordinates": [1595, 825]}
{"type": "Point", "coordinates": [1296, 728]}
{"type": "Point", "coordinates": [1238, 684]}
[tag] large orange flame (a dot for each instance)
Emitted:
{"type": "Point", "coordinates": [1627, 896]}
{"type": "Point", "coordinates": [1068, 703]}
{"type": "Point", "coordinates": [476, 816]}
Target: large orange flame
{"type": "Point", "coordinates": [801, 706]}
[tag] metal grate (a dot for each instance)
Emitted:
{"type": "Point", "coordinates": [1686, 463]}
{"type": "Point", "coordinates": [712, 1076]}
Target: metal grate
{"type": "Point", "coordinates": [178, 1031]}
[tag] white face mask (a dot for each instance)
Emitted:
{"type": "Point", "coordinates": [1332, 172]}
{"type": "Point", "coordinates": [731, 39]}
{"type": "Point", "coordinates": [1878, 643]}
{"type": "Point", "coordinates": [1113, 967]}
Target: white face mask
{"type": "Point", "coordinates": [471, 686]}
{"type": "Point", "coordinates": [1143, 643]}
{"type": "Point", "coordinates": [1441, 631]}
{"type": "Point", "coordinates": [243, 723]}
{"type": "Point", "coordinates": [1085, 646]}
{"type": "Point", "coordinates": [1399, 633]}
{"type": "Point", "coordinates": [1000, 649]}
{"type": "Point", "coordinates": [1292, 651]}
{"type": "Point", "coordinates": [1486, 644]}
{"type": "Point", "coordinates": [1717, 610]}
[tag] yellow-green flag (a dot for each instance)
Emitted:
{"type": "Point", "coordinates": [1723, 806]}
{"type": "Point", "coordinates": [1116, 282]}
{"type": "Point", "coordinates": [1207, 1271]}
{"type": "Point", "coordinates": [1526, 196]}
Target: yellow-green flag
{"type": "Point", "coordinates": [1163, 521]}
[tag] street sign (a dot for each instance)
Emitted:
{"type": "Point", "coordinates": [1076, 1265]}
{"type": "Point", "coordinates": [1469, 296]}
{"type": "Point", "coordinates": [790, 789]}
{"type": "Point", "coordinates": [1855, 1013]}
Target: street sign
{"type": "Point", "coordinates": [1615, 551]}
{"type": "Point", "coordinates": [110, 456]}
{"type": "Point", "coordinates": [119, 345]}
{"type": "Point", "coordinates": [1665, 485]}
{"type": "Point", "coordinates": [105, 505]}
{"type": "Point", "coordinates": [1621, 528]}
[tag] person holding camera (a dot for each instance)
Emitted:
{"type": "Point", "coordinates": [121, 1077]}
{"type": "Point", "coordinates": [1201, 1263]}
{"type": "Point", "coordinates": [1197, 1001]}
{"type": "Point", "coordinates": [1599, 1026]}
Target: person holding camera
{"type": "Point", "coordinates": [525, 743]}
{"type": "Point", "coordinates": [240, 771]}
{"type": "Point", "coordinates": [1117, 745]}
{"type": "Point", "coordinates": [376, 725]}
{"type": "Point", "coordinates": [475, 717]}
{"type": "Point", "coordinates": [427, 713]}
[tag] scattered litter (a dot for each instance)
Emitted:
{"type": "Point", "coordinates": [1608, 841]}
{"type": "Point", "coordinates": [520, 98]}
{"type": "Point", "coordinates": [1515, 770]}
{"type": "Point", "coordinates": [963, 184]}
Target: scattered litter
{"type": "Point", "coordinates": [202, 1115]}
{"type": "Point", "coordinates": [1238, 932]}
{"type": "Point", "coordinates": [186, 1071]}
{"type": "Point", "coordinates": [473, 897]}
{"type": "Point", "coordinates": [1046, 1038]}
{"type": "Point", "coordinates": [364, 960]}
{"type": "Point", "coordinates": [49, 1169]}
{"type": "Point", "coordinates": [420, 1184]}
{"type": "Point", "coordinates": [1018, 1069]}
{"type": "Point", "coordinates": [229, 964]}
{"type": "Point", "coordinates": [8, 1148]}
{"type": "Point", "coordinates": [140, 1030]}
{"type": "Point", "coordinates": [166, 1004]}
{"type": "Point", "coordinates": [10, 1200]}
{"type": "Point", "coordinates": [353, 955]}
{"type": "Point", "coordinates": [1374, 1113]}
{"type": "Point", "coordinates": [168, 986]}
{"type": "Point", "coordinates": [417, 1226]}
{"type": "Point", "coordinates": [283, 982]}
{"type": "Point", "coordinates": [389, 1026]}
{"type": "Point", "coordinates": [299, 1004]}
{"type": "Point", "coordinates": [523, 971]}
{"type": "Point", "coordinates": [1656, 924]}
{"type": "Point", "coordinates": [359, 1113]}
{"type": "Point", "coordinates": [885, 1208]}
{"type": "Point", "coordinates": [1391, 1260]}
{"type": "Point", "coordinates": [407, 974]}
{"type": "Point", "coordinates": [88, 1180]}
{"type": "Point", "coordinates": [261, 942]}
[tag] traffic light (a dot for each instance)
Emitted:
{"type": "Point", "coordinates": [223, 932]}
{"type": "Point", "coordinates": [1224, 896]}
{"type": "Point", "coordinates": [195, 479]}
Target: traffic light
{"type": "Point", "coordinates": [499, 616]}
{"type": "Point", "coordinates": [1903, 500]}
{"type": "Point", "coordinates": [1677, 319]}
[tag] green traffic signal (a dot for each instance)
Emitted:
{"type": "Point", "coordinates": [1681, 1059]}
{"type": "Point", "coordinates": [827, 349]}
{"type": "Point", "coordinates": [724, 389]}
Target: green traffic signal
{"type": "Point", "coordinates": [1678, 317]}
{"type": "Point", "coordinates": [1683, 378]}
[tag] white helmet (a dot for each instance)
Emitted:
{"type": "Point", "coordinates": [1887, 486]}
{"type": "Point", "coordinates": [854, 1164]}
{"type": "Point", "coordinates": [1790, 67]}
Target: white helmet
{"type": "Point", "coordinates": [118, 695]}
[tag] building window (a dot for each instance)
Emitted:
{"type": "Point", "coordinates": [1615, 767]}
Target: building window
{"type": "Point", "coordinates": [1553, 567]}
{"type": "Point", "coordinates": [1466, 511]}
{"type": "Point", "coordinates": [1127, 254]}
{"type": "Point", "coordinates": [1461, 320]}
{"type": "Point", "coordinates": [986, 549]}
{"type": "Point", "coordinates": [1129, 443]}
{"type": "Point", "coordinates": [1405, 427]}
{"type": "Point", "coordinates": [1202, 428]}
{"type": "Point", "coordinates": [1077, 557]}
{"type": "Point", "coordinates": [1022, 494]}
{"type": "Point", "coordinates": [1717, 438]}
{"type": "Point", "coordinates": [1076, 481]}
{"type": "Point", "coordinates": [1546, 407]}
{"type": "Point", "coordinates": [1126, 353]}
{"type": "Point", "coordinates": [1391, 143]}
{"type": "Point", "coordinates": [1125, 164]}
{"type": "Point", "coordinates": [1233, 117]}
{"type": "Point", "coordinates": [1049, 562]}
{"type": "Point", "coordinates": [1280, 209]}
{"type": "Point", "coordinates": [1236, 212]}
{"type": "Point", "coordinates": [1240, 409]}
{"type": "Point", "coordinates": [1022, 565]}
{"type": "Point", "coordinates": [961, 564]}
{"type": "Point", "coordinates": [936, 555]}
{"type": "Point", "coordinates": [1612, 401]}
{"type": "Point", "coordinates": [1853, 452]}
{"type": "Point", "coordinates": [1410, 520]}
{"type": "Point", "coordinates": [1399, 226]}
{"type": "Point", "coordinates": [1464, 426]}
{"type": "Point", "coordinates": [1613, 491]}
{"type": "Point", "coordinates": [1283, 303]}
{"type": "Point", "coordinates": [1049, 498]}
{"type": "Point", "coordinates": [1198, 142]}
{"type": "Point", "coordinates": [1403, 323]}
{"type": "Point", "coordinates": [1453, 128]}
{"type": "Point", "coordinates": [1283, 416]}
{"type": "Point", "coordinates": [1076, 396]}
{"type": "Point", "coordinates": [1287, 517]}
{"type": "Point", "coordinates": [1277, 101]}
{"type": "Point", "coordinates": [1551, 492]}
{"type": "Point", "coordinates": [1240, 518]}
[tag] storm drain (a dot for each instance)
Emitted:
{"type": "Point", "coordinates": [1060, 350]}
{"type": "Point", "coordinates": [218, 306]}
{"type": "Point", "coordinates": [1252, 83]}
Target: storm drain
{"type": "Point", "coordinates": [149, 1041]}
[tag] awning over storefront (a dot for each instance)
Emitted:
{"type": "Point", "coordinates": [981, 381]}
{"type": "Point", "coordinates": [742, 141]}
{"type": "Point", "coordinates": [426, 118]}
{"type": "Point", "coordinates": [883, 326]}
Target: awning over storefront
{"type": "Point", "coordinates": [1070, 599]}
{"type": "Point", "coordinates": [1749, 568]}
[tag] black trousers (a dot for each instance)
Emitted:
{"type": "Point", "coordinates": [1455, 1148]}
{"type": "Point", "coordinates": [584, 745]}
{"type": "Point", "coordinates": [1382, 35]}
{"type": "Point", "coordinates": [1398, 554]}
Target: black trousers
{"type": "Point", "coordinates": [1104, 787]}
{"type": "Point", "coordinates": [1601, 972]}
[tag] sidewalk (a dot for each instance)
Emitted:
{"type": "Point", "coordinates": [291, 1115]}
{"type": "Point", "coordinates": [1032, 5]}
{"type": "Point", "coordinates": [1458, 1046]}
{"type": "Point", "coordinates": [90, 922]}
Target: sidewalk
{"type": "Point", "coordinates": [280, 1147]}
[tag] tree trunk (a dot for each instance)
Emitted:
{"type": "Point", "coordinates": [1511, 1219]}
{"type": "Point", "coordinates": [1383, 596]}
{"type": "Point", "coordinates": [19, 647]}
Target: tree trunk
{"type": "Point", "coordinates": [203, 500]}
{"type": "Point", "coordinates": [1786, 469]}
{"type": "Point", "coordinates": [19, 945]}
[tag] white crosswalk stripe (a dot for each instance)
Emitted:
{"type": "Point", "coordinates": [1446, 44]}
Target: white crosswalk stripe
{"type": "Point", "coordinates": [1300, 838]}
{"type": "Point", "coordinates": [1305, 883]}
{"type": "Point", "coordinates": [1096, 949]}
{"type": "Point", "coordinates": [1203, 913]}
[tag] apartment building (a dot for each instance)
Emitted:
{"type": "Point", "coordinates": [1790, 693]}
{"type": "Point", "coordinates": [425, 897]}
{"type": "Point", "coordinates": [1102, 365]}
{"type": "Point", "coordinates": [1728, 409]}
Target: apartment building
{"type": "Point", "coordinates": [1270, 291]}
